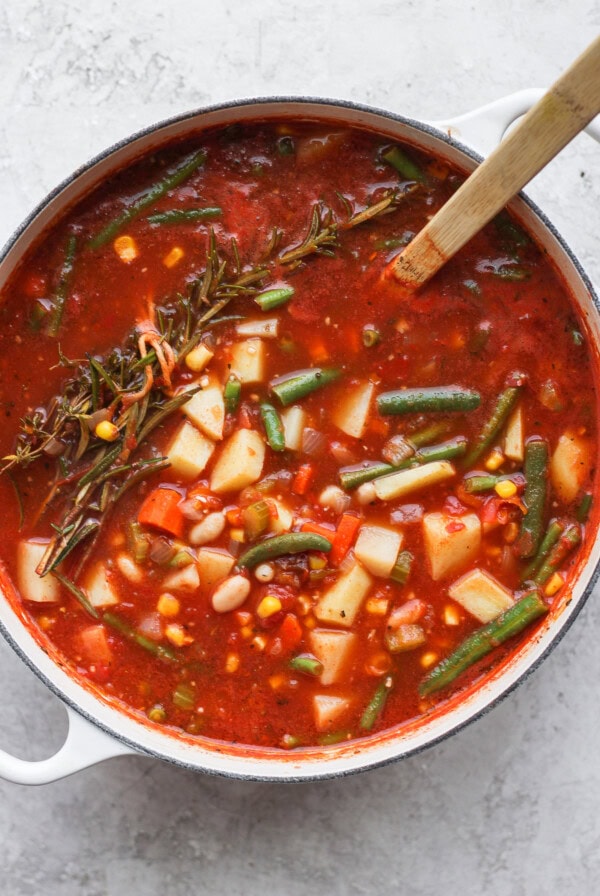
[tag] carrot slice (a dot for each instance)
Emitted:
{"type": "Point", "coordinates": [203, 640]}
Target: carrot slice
{"type": "Point", "coordinates": [319, 529]}
{"type": "Point", "coordinates": [161, 510]}
{"type": "Point", "coordinates": [290, 632]}
{"type": "Point", "coordinates": [344, 538]}
{"type": "Point", "coordinates": [303, 479]}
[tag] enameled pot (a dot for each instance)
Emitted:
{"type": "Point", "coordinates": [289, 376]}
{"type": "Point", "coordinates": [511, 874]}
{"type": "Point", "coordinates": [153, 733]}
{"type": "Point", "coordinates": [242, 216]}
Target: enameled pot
{"type": "Point", "coordinates": [99, 730]}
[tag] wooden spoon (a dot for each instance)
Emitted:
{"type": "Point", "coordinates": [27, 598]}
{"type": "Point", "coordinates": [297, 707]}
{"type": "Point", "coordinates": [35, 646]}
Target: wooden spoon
{"type": "Point", "coordinates": [567, 107]}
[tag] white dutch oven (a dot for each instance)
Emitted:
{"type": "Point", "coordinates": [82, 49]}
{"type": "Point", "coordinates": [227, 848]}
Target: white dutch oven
{"type": "Point", "coordinates": [98, 730]}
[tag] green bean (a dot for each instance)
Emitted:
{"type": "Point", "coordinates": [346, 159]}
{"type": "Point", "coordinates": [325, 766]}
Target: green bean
{"type": "Point", "coordinates": [310, 665]}
{"type": "Point", "coordinates": [352, 477]}
{"type": "Point", "coordinates": [297, 385]}
{"type": "Point", "coordinates": [504, 405]}
{"type": "Point", "coordinates": [534, 497]}
{"type": "Point", "coordinates": [475, 484]}
{"type": "Point", "coordinates": [231, 394]}
{"type": "Point", "coordinates": [583, 510]}
{"type": "Point", "coordinates": [398, 159]}
{"type": "Point", "coordinates": [184, 696]}
{"type": "Point", "coordinates": [402, 567]}
{"type": "Point", "coordinates": [528, 608]}
{"type": "Point", "coordinates": [428, 433]}
{"type": "Point", "coordinates": [435, 398]}
{"type": "Point", "coordinates": [273, 298]}
{"type": "Point", "coordinates": [60, 296]}
{"type": "Point", "coordinates": [553, 533]}
{"type": "Point", "coordinates": [512, 272]}
{"type": "Point", "coordinates": [175, 176]}
{"type": "Point", "coordinates": [280, 545]}
{"type": "Point", "coordinates": [181, 215]}
{"type": "Point", "coordinates": [376, 704]}
{"type": "Point", "coordinates": [567, 542]}
{"type": "Point", "coordinates": [158, 650]}
{"type": "Point", "coordinates": [273, 426]}
{"type": "Point", "coordinates": [370, 336]}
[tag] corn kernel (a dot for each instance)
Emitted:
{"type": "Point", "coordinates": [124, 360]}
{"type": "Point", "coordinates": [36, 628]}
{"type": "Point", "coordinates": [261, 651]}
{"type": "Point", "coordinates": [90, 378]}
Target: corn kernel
{"type": "Point", "coordinates": [268, 606]}
{"type": "Point", "coordinates": [173, 257]}
{"type": "Point", "coordinates": [198, 358]}
{"type": "Point", "coordinates": [494, 460]}
{"type": "Point", "coordinates": [157, 713]}
{"type": "Point", "coordinates": [246, 631]}
{"type": "Point", "coordinates": [428, 659]}
{"type": "Point", "coordinates": [277, 681]}
{"type": "Point", "coordinates": [45, 622]}
{"type": "Point", "coordinates": [243, 617]}
{"type": "Point", "coordinates": [126, 248]}
{"type": "Point", "coordinates": [505, 488]}
{"type": "Point", "coordinates": [377, 606]}
{"type": "Point", "coordinates": [493, 551]}
{"type": "Point", "coordinates": [316, 562]}
{"type": "Point", "coordinates": [107, 431]}
{"type": "Point", "coordinates": [168, 605]}
{"type": "Point", "coordinates": [451, 615]}
{"type": "Point", "coordinates": [177, 635]}
{"type": "Point", "coordinates": [260, 642]}
{"type": "Point", "coordinates": [554, 584]}
{"type": "Point", "coordinates": [237, 535]}
{"type": "Point", "coordinates": [402, 325]}
{"type": "Point", "coordinates": [232, 663]}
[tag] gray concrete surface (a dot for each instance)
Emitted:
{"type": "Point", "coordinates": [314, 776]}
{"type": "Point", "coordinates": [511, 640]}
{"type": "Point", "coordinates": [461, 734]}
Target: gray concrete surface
{"type": "Point", "coordinates": [510, 806]}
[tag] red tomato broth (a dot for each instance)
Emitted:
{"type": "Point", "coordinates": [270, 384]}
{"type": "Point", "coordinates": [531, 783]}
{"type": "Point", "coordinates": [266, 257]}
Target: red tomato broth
{"type": "Point", "coordinates": [424, 342]}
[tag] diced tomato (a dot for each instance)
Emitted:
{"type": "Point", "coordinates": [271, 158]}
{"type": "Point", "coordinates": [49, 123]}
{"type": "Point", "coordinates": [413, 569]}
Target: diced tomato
{"type": "Point", "coordinates": [303, 479]}
{"type": "Point", "coordinates": [290, 632]}
{"type": "Point", "coordinates": [94, 644]}
{"type": "Point", "coordinates": [162, 511]}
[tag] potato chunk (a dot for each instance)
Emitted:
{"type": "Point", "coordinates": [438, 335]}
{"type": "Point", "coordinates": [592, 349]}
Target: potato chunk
{"type": "Point", "coordinates": [248, 360]}
{"type": "Point", "coordinates": [206, 410]}
{"type": "Point", "coordinates": [570, 465]}
{"type": "Point", "coordinates": [329, 710]}
{"type": "Point", "coordinates": [213, 566]}
{"type": "Point", "coordinates": [341, 603]}
{"type": "Point", "coordinates": [396, 485]}
{"type": "Point", "coordinates": [377, 549]}
{"type": "Point", "coordinates": [334, 650]}
{"type": "Point", "coordinates": [240, 462]}
{"type": "Point", "coordinates": [189, 451]}
{"type": "Point", "coordinates": [40, 590]}
{"type": "Point", "coordinates": [99, 589]}
{"type": "Point", "coordinates": [352, 413]}
{"type": "Point", "coordinates": [185, 579]}
{"type": "Point", "coordinates": [452, 542]}
{"type": "Point", "coordinates": [481, 595]}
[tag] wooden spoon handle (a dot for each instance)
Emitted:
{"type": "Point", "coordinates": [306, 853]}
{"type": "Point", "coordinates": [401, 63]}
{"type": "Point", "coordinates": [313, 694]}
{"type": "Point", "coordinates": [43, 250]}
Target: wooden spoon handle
{"type": "Point", "coordinates": [562, 112]}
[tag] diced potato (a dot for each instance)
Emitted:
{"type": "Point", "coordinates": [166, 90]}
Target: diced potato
{"type": "Point", "coordinates": [451, 542]}
{"type": "Point", "coordinates": [94, 644]}
{"type": "Point", "coordinates": [99, 589]}
{"type": "Point", "coordinates": [481, 595]}
{"type": "Point", "coordinates": [248, 360]}
{"type": "Point", "coordinates": [514, 436]}
{"type": "Point", "coordinates": [377, 548]}
{"type": "Point", "coordinates": [570, 465]}
{"type": "Point", "coordinates": [294, 421]}
{"type": "Point", "coordinates": [44, 590]}
{"type": "Point", "coordinates": [329, 710]}
{"type": "Point", "coordinates": [267, 327]}
{"type": "Point", "coordinates": [185, 579]}
{"type": "Point", "coordinates": [189, 451]}
{"type": "Point", "coordinates": [334, 650]}
{"type": "Point", "coordinates": [341, 603]}
{"type": "Point", "coordinates": [352, 413]}
{"type": "Point", "coordinates": [206, 410]}
{"type": "Point", "coordinates": [240, 462]}
{"type": "Point", "coordinates": [396, 485]}
{"type": "Point", "coordinates": [214, 565]}
{"type": "Point", "coordinates": [285, 517]}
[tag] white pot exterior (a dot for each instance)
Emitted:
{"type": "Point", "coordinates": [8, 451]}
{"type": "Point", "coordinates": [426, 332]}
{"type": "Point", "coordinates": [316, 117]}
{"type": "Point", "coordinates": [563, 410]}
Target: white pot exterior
{"type": "Point", "coordinates": [88, 743]}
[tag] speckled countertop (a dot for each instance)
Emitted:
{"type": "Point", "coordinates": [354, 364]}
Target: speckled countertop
{"type": "Point", "coordinates": [510, 806]}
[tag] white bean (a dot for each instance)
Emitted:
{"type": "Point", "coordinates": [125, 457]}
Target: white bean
{"type": "Point", "coordinates": [129, 568]}
{"type": "Point", "coordinates": [230, 594]}
{"type": "Point", "coordinates": [207, 529]}
{"type": "Point", "coordinates": [264, 572]}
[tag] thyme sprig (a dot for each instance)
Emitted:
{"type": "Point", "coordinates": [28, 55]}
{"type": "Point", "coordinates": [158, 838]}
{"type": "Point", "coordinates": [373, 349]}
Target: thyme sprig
{"type": "Point", "coordinates": [128, 386]}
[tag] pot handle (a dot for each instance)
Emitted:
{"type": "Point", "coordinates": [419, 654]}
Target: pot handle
{"type": "Point", "coordinates": [484, 128]}
{"type": "Point", "coordinates": [84, 745]}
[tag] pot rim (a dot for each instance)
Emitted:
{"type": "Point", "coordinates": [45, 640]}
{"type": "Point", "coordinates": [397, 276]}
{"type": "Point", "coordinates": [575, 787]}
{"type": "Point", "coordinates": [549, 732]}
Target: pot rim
{"type": "Point", "coordinates": [361, 745]}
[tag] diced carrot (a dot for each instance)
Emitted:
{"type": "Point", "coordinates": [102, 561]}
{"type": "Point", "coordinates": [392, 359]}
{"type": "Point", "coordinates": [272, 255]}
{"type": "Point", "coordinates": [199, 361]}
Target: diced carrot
{"type": "Point", "coordinates": [303, 479]}
{"type": "Point", "coordinates": [319, 529]}
{"type": "Point", "coordinates": [344, 537]}
{"type": "Point", "coordinates": [94, 644]}
{"type": "Point", "coordinates": [290, 632]}
{"type": "Point", "coordinates": [162, 511]}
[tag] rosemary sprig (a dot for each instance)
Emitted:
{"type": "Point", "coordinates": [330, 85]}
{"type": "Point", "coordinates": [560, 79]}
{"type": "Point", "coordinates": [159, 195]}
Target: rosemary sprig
{"type": "Point", "coordinates": [128, 384]}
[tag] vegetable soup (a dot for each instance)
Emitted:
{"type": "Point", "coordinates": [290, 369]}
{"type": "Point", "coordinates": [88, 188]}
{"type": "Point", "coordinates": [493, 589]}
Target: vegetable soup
{"type": "Point", "coordinates": [253, 492]}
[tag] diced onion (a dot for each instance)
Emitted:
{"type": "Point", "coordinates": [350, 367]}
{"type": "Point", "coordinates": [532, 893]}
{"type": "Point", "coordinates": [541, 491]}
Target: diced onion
{"type": "Point", "coordinates": [313, 442]}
